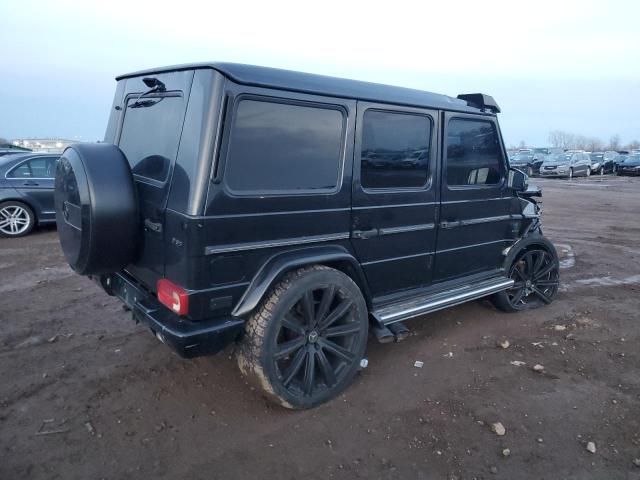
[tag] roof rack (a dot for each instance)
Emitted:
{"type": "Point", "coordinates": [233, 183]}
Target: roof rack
{"type": "Point", "coordinates": [480, 100]}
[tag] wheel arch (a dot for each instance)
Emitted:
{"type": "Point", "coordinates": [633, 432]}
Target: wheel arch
{"type": "Point", "coordinates": [334, 256]}
{"type": "Point", "coordinates": [527, 243]}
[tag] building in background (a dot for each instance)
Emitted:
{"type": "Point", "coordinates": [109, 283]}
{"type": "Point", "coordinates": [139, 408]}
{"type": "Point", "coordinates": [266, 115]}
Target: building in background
{"type": "Point", "coordinates": [48, 145]}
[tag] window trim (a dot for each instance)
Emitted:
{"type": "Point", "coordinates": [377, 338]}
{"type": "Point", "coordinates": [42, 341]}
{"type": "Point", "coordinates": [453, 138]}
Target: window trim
{"type": "Point", "coordinates": [430, 165]}
{"type": "Point", "coordinates": [229, 125]}
{"type": "Point", "coordinates": [445, 160]}
{"type": "Point", "coordinates": [171, 93]}
{"type": "Point", "coordinates": [17, 165]}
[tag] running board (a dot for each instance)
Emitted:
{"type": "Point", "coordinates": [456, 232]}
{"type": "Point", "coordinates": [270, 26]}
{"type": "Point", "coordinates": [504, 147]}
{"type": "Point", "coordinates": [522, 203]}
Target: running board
{"type": "Point", "coordinates": [414, 307]}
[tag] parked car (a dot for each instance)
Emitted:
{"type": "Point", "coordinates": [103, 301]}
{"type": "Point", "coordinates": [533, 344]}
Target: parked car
{"type": "Point", "coordinates": [603, 161]}
{"type": "Point", "coordinates": [630, 166]}
{"type": "Point", "coordinates": [26, 192]}
{"type": "Point", "coordinates": [570, 164]}
{"type": "Point", "coordinates": [526, 160]}
{"type": "Point", "coordinates": [239, 203]}
{"type": "Point", "coordinates": [618, 160]}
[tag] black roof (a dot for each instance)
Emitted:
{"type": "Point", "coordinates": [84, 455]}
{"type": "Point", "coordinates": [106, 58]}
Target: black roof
{"type": "Point", "coordinates": [321, 85]}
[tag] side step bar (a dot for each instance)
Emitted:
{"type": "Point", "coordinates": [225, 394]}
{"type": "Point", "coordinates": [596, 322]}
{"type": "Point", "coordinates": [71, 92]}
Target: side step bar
{"type": "Point", "coordinates": [414, 307]}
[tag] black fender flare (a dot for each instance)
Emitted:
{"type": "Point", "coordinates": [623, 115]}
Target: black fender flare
{"type": "Point", "coordinates": [283, 262]}
{"type": "Point", "coordinates": [533, 239]}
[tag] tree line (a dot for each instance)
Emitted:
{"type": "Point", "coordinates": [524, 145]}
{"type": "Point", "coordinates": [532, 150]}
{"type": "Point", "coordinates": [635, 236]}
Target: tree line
{"type": "Point", "coordinates": [568, 140]}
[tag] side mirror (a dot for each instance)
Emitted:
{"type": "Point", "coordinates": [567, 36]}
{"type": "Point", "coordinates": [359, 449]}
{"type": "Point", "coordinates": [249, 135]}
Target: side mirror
{"type": "Point", "coordinates": [518, 180]}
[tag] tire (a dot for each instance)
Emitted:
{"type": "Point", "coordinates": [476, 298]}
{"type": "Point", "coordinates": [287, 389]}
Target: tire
{"type": "Point", "coordinates": [535, 271]}
{"type": "Point", "coordinates": [96, 208]}
{"type": "Point", "coordinates": [16, 219]}
{"type": "Point", "coordinates": [297, 355]}
{"type": "Point", "coordinates": [571, 174]}
{"type": "Point", "coordinates": [529, 172]}
{"type": "Point", "coordinates": [588, 173]}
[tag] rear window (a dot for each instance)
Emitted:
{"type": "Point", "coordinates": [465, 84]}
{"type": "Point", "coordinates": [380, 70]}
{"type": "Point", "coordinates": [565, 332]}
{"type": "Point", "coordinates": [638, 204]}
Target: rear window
{"type": "Point", "coordinates": [151, 134]}
{"type": "Point", "coordinates": [282, 147]}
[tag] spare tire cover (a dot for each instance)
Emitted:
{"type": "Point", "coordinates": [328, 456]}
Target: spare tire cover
{"type": "Point", "coordinates": [96, 208]}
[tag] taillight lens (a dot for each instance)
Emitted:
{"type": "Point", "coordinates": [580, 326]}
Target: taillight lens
{"type": "Point", "coordinates": [173, 297]}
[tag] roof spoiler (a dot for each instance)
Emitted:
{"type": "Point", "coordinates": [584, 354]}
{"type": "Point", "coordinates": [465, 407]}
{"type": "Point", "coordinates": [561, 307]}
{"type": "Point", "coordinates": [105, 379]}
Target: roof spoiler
{"type": "Point", "coordinates": [481, 101]}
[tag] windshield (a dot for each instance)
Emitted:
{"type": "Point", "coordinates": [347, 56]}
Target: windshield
{"type": "Point", "coordinates": [597, 156]}
{"type": "Point", "coordinates": [151, 133]}
{"type": "Point", "coordinates": [522, 156]}
{"type": "Point", "coordinates": [560, 157]}
{"type": "Point", "coordinates": [633, 159]}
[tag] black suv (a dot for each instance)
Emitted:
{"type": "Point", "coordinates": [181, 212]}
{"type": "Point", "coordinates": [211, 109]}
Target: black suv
{"type": "Point", "coordinates": [296, 213]}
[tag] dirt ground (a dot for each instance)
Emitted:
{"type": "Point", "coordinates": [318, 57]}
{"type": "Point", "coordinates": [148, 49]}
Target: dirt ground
{"type": "Point", "coordinates": [87, 394]}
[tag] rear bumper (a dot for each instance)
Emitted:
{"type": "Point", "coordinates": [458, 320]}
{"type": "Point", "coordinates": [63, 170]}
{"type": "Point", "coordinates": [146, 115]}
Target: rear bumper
{"type": "Point", "coordinates": [189, 339]}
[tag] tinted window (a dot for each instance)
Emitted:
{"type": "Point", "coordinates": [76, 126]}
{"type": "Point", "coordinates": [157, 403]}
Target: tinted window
{"type": "Point", "coordinates": [276, 147]}
{"type": "Point", "coordinates": [395, 150]}
{"type": "Point", "coordinates": [473, 153]}
{"type": "Point", "coordinates": [42, 167]}
{"type": "Point", "coordinates": [151, 133]}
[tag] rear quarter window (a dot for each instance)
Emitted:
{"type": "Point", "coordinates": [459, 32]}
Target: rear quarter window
{"type": "Point", "coordinates": [277, 148]}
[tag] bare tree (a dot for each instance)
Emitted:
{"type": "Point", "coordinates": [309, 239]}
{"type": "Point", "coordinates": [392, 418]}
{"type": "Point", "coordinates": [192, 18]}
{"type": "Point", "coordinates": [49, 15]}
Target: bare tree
{"type": "Point", "coordinates": [633, 145]}
{"type": "Point", "coordinates": [3, 141]}
{"type": "Point", "coordinates": [522, 144]}
{"type": "Point", "coordinates": [614, 142]}
{"type": "Point", "coordinates": [556, 138]}
{"type": "Point", "coordinates": [594, 144]}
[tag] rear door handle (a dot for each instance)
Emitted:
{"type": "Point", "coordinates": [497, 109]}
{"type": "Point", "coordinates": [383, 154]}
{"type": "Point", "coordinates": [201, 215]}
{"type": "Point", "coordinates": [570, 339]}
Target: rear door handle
{"type": "Point", "coordinates": [30, 184]}
{"type": "Point", "coordinates": [365, 234]}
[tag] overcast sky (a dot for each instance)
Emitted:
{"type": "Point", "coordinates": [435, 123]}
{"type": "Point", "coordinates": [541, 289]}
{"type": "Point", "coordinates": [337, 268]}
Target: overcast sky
{"type": "Point", "coordinates": [570, 65]}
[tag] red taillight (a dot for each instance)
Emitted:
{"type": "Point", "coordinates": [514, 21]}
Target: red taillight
{"type": "Point", "coordinates": [173, 297]}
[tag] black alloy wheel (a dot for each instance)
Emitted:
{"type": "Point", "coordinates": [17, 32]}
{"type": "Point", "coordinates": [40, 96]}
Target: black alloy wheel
{"type": "Point", "coordinates": [317, 342]}
{"type": "Point", "coordinates": [536, 278]}
{"type": "Point", "coordinates": [305, 342]}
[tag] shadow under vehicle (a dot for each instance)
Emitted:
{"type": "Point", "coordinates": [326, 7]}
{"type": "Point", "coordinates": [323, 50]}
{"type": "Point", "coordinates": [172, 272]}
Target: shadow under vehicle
{"type": "Point", "coordinates": [295, 214]}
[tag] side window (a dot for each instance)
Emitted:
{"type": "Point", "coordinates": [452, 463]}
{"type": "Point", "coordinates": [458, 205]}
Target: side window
{"type": "Point", "coordinates": [395, 150]}
{"type": "Point", "coordinates": [281, 147]}
{"type": "Point", "coordinates": [34, 168]}
{"type": "Point", "coordinates": [473, 153]}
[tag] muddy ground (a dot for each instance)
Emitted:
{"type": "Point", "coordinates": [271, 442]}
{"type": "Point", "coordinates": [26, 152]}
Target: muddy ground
{"type": "Point", "coordinates": [87, 394]}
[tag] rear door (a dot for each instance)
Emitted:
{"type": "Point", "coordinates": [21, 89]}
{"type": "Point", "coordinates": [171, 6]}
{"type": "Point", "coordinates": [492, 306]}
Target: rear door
{"type": "Point", "coordinates": [34, 179]}
{"type": "Point", "coordinates": [395, 196]}
{"type": "Point", "coordinates": [476, 222]}
{"type": "Point", "coordinates": [149, 134]}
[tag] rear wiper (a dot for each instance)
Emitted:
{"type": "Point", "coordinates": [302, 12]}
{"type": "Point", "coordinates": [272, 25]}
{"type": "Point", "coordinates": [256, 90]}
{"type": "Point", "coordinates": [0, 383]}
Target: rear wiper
{"type": "Point", "coordinates": [154, 85]}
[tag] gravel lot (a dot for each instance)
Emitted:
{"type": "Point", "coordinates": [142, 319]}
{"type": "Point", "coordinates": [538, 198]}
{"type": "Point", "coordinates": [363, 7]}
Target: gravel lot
{"type": "Point", "coordinates": [86, 393]}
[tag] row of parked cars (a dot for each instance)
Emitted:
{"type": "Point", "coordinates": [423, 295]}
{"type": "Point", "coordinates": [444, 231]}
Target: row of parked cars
{"type": "Point", "coordinates": [546, 162]}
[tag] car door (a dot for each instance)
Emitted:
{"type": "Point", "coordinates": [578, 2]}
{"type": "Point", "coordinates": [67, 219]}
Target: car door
{"type": "Point", "coordinates": [34, 181]}
{"type": "Point", "coordinates": [476, 222]}
{"type": "Point", "coordinates": [395, 196]}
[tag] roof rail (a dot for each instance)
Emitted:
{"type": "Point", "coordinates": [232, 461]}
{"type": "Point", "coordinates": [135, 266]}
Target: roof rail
{"type": "Point", "coordinates": [480, 100]}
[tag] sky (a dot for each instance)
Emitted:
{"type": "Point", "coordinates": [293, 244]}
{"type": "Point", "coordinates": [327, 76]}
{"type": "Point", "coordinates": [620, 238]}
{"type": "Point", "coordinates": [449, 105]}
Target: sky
{"type": "Point", "coordinates": [568, 65]}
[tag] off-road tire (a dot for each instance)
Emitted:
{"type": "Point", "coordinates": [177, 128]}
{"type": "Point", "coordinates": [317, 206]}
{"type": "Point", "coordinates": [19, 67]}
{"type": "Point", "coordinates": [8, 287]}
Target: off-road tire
{"type": "Point", "coordinates": [258, 346]}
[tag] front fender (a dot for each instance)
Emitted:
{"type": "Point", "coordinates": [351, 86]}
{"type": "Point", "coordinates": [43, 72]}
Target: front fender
{"type": "Point", "coordinates": [283, 262]}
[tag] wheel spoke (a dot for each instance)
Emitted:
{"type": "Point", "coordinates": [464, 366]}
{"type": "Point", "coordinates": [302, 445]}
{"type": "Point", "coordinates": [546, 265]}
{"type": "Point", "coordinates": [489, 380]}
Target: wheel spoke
{"type": "Point", "coordinates": [336, 350]}
{"type": "Point", "coordinates": [292, 323]}
{"type": "Point", "coordinates": [326, 368]}
{"type": "Point", "coordinates": [518, 296]}
{"type": "Point", "coordinates": [294, 367]}
{"type": "Point", "coordinates": [539, 261]}
{"type": "Point", "coordinates": [309, 373]}
{"type": "Point", "coordinates": [520, 274]}
{"type": "Point", "coordinates": [547, 283]}
{"type": "Point", "coordinates": [517, 286]}
{"type": "Point", "coordinates": [307, 307]}
{"type": "Point", "coordinates": [325, 303]}
{"type": "Point", "coordinates": [342, 330]}
{"type": "Point", "coordinates": [287, 348]}
{"type": "Point", "coordinates": [528, 264]}
{"type": "Point", "coordinates": [543, 296]}
{"type": "Point", "coordinates": [545, 271]}
{"type": "Point", "coordinates": [4, 223]}
{"type": "Point", "coordinates": [336, 314]}
{"type": "Point", "coordinates": [5, 213]}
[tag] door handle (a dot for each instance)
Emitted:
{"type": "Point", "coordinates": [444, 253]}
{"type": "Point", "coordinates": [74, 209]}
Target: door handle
{"type": "Point", "coordinates": [30, 184]}
{"type": "Point", "coordinates": [365, 234]}
{"type": "Point", "coordinates": [450, 224]}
